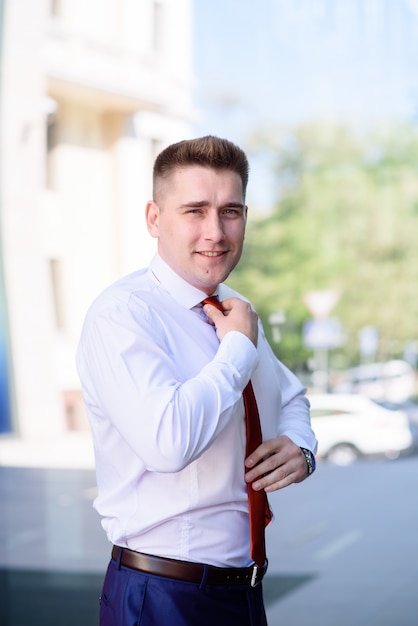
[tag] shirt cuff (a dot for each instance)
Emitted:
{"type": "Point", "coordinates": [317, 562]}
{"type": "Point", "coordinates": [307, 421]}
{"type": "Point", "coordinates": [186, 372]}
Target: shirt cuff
{"type": "Point", "coordinates": [236, 349]}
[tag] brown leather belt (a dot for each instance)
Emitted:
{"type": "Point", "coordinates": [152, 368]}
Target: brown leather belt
{"type": "Point", "coordinates": [187, 571]}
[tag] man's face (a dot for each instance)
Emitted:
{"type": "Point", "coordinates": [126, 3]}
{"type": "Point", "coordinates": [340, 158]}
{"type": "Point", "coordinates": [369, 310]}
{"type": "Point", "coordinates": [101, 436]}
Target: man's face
{"type": "Point", "coordinates": [199, 222]}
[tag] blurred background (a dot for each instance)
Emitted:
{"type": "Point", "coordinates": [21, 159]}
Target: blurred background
{"type": "Point", "coordinates": [323, 96]}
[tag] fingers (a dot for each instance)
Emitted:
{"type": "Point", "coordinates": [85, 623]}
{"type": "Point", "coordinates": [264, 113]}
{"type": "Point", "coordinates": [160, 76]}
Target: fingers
{"type": "Point", "coordinates": [227, 305]}
{"type": "Point", "coordinates": [275, 464]}
{"type": "Point", "coordinates": [237, 315]}
{"type": "Point", "coordinates": [232, 303]}
{"type": "Point", "coordinates": [213, 313]}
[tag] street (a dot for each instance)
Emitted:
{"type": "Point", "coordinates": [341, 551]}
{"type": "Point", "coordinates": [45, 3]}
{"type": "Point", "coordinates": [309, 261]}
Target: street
{"type": "Point", "coordinates": [343, 548]}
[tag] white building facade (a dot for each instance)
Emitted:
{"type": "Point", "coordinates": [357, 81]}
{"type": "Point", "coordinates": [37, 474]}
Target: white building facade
{"type": "Point", "coordinates": [90, 92]}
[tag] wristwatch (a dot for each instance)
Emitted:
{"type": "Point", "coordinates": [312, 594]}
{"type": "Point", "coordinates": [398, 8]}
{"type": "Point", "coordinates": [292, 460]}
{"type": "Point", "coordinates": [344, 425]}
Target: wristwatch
{"type": "Point", "coordinates": [310, 460]}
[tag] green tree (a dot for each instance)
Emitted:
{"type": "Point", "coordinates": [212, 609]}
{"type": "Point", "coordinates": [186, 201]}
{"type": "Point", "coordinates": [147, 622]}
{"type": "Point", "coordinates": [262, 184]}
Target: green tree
{"type": "Point", "coordinates": [346, 218]}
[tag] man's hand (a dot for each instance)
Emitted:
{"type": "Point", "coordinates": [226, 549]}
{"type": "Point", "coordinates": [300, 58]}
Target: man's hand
{"type": "Point", "coordinates": [237, 315]}
{"type": "Point", "coordinates": [275, 464]}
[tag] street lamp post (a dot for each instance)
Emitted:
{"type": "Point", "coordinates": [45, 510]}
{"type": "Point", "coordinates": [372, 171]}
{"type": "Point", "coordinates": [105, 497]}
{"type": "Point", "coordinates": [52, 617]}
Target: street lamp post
{"type": "Point", "coordinates": [322, 333]}
{"type": "Point", "coordinates": [276, 319]}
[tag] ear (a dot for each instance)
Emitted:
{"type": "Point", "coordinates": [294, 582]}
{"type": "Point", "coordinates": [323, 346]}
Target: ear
{"type": "Point", "coordinates": [152, 214]}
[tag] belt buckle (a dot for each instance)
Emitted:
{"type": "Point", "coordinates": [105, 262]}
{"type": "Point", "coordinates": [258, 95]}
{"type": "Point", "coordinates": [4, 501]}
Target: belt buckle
{"type": "Point", "coordinates": [258, 573]}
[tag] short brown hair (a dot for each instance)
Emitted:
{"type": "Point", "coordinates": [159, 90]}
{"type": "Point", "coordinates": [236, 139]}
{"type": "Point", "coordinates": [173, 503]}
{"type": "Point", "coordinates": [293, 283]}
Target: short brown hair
{"type": "Point", "coordinates": [209, 151]}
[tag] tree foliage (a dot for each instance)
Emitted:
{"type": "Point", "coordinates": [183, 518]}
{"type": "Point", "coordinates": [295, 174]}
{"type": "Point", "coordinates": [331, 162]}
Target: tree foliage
{"type": "Point", "coordinates": [346, 218]}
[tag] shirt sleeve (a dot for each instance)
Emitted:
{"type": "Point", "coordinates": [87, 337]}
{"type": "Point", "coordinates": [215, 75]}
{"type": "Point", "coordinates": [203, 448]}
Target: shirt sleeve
{"type": "Point", "coordinates": [294, 418]}
{"type": "Point", "coordinates": [130, 384]}
{"type": "Point", "coordinates": [296, 424]}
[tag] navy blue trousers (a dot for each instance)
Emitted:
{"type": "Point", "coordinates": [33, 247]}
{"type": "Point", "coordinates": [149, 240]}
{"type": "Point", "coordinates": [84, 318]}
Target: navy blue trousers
{"type": "Point", "coordinates": [131, 598]}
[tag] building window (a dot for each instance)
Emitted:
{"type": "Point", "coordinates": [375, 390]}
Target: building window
{"type": "Point", "coordinates": [51, 142]}
{"type": "Point", "coordinates": [56, 8]}
{"type": "Point", "coordinates": [157, 26]}
{"type": "Point", "coordinates": [57, 292]}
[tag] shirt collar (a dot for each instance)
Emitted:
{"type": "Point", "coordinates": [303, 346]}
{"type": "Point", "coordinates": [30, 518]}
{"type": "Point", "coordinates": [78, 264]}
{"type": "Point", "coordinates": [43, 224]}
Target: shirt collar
{"type": "Point", "coordinates": [181, 290]}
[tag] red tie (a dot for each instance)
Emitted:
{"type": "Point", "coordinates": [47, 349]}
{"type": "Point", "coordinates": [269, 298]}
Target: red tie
{"type": "Point", "coordinates": [258, 507]}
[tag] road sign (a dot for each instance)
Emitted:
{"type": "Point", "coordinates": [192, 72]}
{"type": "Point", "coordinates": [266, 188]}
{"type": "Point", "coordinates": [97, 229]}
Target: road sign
{"type": "Point", "coordinates": [321, 303]}
{"type": "Point", "coordinates": [323, 334]}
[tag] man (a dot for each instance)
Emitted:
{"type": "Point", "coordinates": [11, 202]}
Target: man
{"type": "Point", "coordinates": [163, 379]}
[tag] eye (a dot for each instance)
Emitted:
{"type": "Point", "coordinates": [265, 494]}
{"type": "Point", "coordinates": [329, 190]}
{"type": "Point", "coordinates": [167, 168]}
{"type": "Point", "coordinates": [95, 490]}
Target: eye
{"type": "Point", "coordinates": [232, 211]}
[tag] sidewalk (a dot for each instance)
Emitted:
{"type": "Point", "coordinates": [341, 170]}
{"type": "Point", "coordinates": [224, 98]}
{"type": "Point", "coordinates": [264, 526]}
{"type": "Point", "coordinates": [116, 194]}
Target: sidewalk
{"type": "Point", "coordinates": [70, 450]}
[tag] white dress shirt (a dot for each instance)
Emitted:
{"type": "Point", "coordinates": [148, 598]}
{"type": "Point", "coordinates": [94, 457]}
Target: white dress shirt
{"type": "Point", "coordinates": [164, 400]}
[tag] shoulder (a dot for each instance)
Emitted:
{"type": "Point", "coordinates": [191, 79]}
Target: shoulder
{"type": "Point", "coordinates": [118, 297]}
{"type": "Point", "coordinates": [120, 291]}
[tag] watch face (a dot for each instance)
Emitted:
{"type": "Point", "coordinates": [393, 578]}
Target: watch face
{"type": "Point", "coordinates": [310, 460]}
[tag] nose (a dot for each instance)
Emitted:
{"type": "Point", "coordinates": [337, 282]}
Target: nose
{"type": "Point", "coordinates": [214, 230]}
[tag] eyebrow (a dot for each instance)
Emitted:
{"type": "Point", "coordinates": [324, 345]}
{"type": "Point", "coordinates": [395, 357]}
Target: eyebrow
{"type": "Point", "coordinates": [203, 203]}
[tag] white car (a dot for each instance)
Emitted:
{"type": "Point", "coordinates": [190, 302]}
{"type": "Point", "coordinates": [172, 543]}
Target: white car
{"type": "Point", "coordinates": [349, 426]}
{"type": "Point", "coordinates": [393, 381]}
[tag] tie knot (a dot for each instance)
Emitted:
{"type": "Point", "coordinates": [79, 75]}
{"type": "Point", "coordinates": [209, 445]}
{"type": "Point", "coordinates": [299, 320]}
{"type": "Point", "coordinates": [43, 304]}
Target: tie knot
{"type": "Point", "coordinates": [214, 301]}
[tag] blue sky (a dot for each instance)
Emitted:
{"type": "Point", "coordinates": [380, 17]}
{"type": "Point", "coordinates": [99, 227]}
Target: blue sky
{"type": "Point", "coordinates": [293, 59]}
{"type": "Point", "coordinates": [266, 63]}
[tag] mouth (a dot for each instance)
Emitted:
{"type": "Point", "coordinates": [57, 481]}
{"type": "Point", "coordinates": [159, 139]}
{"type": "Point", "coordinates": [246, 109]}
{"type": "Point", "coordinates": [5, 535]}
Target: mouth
{"type": "Point", "coordinates": [212, 254]}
